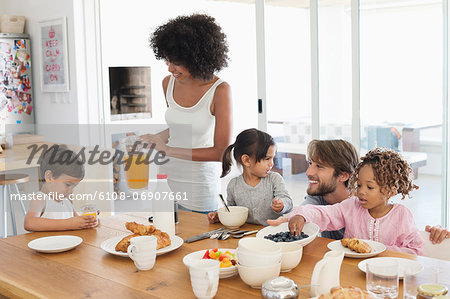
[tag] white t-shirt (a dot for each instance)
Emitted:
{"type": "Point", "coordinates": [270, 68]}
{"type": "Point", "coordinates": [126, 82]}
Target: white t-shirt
{"type": "Point", "coordinates": [53, 209]}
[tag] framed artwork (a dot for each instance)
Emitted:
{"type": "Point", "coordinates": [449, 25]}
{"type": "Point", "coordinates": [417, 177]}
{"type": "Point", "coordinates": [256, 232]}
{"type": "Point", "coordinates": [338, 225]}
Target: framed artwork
{"type": "Point", "coordinates": [55, 66]}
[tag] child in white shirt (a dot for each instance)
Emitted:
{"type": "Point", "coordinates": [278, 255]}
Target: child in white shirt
{"type": "Point", "coordinates": [60, 172]}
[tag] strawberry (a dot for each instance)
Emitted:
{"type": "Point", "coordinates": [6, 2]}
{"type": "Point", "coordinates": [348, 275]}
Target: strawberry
{"type": "Point", "coordinates": [206, 256]}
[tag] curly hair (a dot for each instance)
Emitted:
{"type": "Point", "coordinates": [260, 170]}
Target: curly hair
{"type": "Point", "coordinates": [195, 42]}
{"type": "Point", "coordinates": [392, 173]}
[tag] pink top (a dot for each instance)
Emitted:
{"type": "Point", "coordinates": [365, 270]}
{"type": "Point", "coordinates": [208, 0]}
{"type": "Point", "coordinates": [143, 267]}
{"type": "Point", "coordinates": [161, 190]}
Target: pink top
{"type": "Point", "coordinates": [396, 229]}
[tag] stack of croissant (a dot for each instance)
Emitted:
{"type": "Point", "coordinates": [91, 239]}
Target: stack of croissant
{"type": "Point", "coordinates": [347, 293]}
{"type": "Point", "coordinates": [163, 239]}
{"type": "Point", "coordinates": [356, 245]}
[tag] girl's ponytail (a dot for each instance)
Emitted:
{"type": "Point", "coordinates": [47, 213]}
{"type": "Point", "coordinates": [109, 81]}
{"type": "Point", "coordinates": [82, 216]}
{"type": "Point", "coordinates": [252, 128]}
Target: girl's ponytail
{"type": "Point", "coordinates": [226, 161]}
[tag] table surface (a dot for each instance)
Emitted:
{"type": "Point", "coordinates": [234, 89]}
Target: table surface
{"type": "Point", "coordinates": [17, 157]}
{"type": "Point", "coordinates": [88, 271]}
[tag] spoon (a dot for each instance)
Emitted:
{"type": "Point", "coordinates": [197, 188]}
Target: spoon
{"type": "Point", "coordinates": [224, 236]}
{"type": "Point", "coordinates": [238, 236]}
{"type": "Point", "coordinates": [224, 202]}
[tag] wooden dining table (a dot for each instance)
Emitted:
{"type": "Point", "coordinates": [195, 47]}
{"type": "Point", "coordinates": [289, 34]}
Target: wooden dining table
{"type": "Point", "coordinates": [89, 271]}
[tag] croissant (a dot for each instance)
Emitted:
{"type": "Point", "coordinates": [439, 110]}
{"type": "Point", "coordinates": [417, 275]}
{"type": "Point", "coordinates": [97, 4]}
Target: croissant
{"type": "Point", "coordinates": [124, 243]}
{"type": "Point", "coordinates": [140, 228]}
{"type": "Point", "coordinates": [162, 238]}
{"type": "Point", "coordinates": [347, 293]}
{"type": "Point", "coordinates": [356, 245]}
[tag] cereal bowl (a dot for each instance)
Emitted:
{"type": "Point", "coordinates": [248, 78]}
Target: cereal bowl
{"type": "Point", "coordinates": [258, 246]}
{"type": "Point", "coordinates": [256, 276]}
{"type": "Point", "coordinates": [255, 260]}
{"type": "Point", "coordinates": [291, 255]}
{"type": "Point", "coordinates": [235, 218]}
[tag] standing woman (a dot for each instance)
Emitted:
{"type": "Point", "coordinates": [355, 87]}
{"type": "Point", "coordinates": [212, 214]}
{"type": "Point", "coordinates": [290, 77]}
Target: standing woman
{"type": "Point", "coordinates": [194, 49]}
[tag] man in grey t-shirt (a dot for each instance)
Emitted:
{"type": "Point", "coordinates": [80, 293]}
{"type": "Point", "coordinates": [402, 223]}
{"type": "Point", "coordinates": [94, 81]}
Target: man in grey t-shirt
{"type": "Point", "coordinates": [331, 163]}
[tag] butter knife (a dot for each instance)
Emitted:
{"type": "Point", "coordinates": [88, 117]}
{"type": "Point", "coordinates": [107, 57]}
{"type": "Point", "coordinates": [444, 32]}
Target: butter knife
{"type": "Point", "coordinates": [202, 236]}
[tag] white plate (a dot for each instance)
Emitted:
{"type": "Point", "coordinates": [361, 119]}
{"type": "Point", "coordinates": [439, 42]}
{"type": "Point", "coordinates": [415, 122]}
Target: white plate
{"type": "Point", "coordinates": [311, 229]}
{"type": "Point", "coordinates": [110, 245]}
{"type": "Point", "coordinates": [224, 272]}
{"type": "Point", "coordinates": [55, 244]}
{"type": "Point", "coordinates": [403, 264]}
{"type": "Point", "coordinates": [377, 248]}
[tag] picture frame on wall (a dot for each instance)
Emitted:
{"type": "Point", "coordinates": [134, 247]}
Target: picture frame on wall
{"type": "Point", "coordinates": [55, 66]}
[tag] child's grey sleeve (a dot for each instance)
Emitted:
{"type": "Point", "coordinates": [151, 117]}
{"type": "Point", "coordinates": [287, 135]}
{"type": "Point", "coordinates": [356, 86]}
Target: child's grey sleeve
{"type": "Point", "coordinates": [279, 190]}
{"type": "Point", "coordinates": [230, 193]}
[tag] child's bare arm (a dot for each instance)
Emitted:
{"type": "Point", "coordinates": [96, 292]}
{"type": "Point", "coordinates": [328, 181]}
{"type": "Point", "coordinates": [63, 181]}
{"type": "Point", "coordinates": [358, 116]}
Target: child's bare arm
{"type": "Point", "coordinates": [33, 221]}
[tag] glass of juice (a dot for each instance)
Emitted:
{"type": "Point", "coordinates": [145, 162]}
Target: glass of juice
{"type": "Point", "coordinates": [89, 210]}
{"type": "Point", "coordinates": [135, 163]}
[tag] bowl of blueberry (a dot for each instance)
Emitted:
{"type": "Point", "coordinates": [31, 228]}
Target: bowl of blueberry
{"type": "Point", "coordinates": [281, 233]}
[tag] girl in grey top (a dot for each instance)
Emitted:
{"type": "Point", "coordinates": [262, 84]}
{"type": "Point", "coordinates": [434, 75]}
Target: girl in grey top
{"type": "Point", "coordinates": [263, 192]}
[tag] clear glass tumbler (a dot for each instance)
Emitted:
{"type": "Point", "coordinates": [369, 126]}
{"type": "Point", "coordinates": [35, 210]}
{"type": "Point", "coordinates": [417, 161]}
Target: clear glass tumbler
{"type": "Point", "coordinates": [382, 278]}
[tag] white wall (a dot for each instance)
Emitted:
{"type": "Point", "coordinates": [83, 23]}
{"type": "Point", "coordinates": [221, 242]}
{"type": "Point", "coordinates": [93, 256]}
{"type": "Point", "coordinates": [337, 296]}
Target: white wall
{"type": "Point", "coordinates": [126, 27]}
{"type": "Point", "coordinates": [49, 108]}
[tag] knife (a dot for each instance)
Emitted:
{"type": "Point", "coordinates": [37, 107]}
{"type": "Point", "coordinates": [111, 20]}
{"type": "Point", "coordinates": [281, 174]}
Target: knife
{"type": "Point", "coordinates": [202, 236]}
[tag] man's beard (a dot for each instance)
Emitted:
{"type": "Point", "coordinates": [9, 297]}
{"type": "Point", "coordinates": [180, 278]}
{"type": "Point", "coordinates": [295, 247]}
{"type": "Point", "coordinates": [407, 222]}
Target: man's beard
{"type": "Point", "coordinates": [323, 188]}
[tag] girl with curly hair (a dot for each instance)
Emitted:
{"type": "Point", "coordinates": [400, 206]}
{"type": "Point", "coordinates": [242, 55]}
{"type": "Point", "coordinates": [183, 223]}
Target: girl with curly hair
{"type": "Point", "coordinates": [381, 174]}
{"type": "Point", "coordinates": [198, 107]}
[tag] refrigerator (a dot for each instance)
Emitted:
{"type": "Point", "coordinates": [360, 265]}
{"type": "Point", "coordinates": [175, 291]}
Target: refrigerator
{"type": "Point", "coordinates": [16, 97]}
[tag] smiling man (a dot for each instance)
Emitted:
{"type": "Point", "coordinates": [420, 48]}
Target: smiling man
{"type": "Point", "coordinates": [331, 162]}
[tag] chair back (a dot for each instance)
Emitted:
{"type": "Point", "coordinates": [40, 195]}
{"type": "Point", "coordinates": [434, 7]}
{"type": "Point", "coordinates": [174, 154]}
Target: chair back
{"type": "Point", "coordinates": [439, 251]}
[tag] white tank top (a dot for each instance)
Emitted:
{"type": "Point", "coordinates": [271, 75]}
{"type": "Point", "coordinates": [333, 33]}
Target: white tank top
{"type": "Point", "coordinates": [57, 209]}
{"type": "Point", "coordinates": [198, 116]}
{"type": "Point", "coordinates": [193, 127]}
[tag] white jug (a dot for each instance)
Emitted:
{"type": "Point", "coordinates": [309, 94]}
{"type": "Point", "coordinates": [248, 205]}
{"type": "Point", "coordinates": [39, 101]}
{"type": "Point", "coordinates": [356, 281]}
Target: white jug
{"type": "Point", "coordinates": [326, 273]}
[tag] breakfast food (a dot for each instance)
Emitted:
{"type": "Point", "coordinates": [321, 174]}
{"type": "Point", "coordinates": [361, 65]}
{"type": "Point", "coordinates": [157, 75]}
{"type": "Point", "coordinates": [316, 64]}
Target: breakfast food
{"type": "Point", "coordinates": [163, 239]}
{"type": "Point", "coordinates": [285, 237]}
{"type": "Point", "coordinates": [356, 245]}
{"type": "Point", "coordinates": [124, 243]}
{"type": "Point", "coordinates": [226, 259]}
{"type": "Point", "coordinates": [140, 229]}
{"type": "Point", "coordinates": [347, 293]}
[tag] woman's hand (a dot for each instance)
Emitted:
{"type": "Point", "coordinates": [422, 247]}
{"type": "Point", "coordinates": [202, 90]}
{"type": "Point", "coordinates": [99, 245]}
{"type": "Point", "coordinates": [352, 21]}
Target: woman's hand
{"type": "Point", "coordinates": [437, 233]}
{"type": "Point", "coordinates": [296, 225]}
{"type": "Point", "coordinates": [213, 217]}
{"type": "Point", "coordinates": [277, 205]}
{"type": "Point", "coordinates": [150, 139]}
{"type": "Point", "coordinates": [82, 222]}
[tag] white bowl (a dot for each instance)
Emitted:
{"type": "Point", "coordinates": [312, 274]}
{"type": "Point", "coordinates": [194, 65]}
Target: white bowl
{"type": "Point", "coordinates": [235, 218]}
{"type": "Point", "coordinates": [311, 229]}
{"type": "Point", "coordinates": [252, 245]}
{"type": "Point", "coordinates": [255, 260]}
{"type": "Point", "coordinates": [291, 255]}
{"type": "Point", "coordinates": [256, 276]}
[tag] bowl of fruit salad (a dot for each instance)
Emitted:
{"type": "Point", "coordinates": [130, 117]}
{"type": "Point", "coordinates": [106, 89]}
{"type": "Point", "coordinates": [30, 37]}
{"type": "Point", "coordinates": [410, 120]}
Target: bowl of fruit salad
{"type": "Point", "coordinates": [226, 257]}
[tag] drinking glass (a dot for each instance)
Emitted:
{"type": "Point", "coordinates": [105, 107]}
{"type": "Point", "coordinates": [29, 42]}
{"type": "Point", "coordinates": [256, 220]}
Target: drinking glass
{"type": "Point", "coordinates": [136, 166]}
{"type": "Point", "coordinates": [382, 278]}
{"type": "Point", "coordinates": [89, 210]}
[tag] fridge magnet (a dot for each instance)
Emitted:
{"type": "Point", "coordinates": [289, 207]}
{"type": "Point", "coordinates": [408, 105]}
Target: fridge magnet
{"type": "Point", "coordinates": [55, 66]}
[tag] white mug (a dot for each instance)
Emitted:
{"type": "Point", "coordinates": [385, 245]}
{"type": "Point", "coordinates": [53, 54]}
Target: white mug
{"type": "Point", "coordinates": [142, 251]}
{"type": "Point", "coordinates": [204, 277]}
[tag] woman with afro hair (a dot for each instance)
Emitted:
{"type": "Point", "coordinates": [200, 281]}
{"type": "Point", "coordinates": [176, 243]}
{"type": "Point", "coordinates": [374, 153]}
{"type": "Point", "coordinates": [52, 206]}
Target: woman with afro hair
{"type": "Point", "coordinates": [198, 102]}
